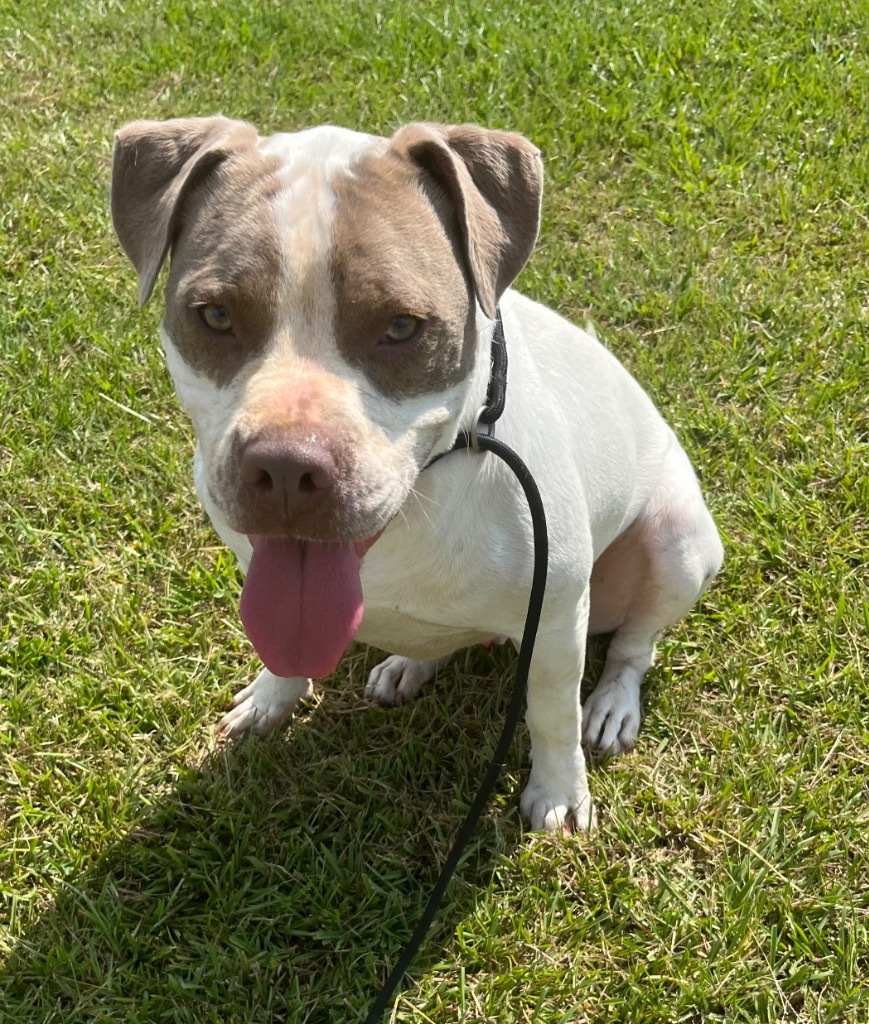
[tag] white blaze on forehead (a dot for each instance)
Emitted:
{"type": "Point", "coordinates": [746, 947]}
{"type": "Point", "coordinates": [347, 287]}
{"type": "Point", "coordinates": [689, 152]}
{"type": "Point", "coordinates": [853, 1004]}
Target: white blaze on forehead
{"type": "Point", "coordinates": [323, 148]}
{"type": "Point", "coordinates": [304, 210]}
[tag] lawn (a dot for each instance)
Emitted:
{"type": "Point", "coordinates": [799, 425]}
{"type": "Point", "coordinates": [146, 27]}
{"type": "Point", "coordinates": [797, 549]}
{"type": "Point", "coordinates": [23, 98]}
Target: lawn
{"type": "Point", "coordinates": [706, 207]}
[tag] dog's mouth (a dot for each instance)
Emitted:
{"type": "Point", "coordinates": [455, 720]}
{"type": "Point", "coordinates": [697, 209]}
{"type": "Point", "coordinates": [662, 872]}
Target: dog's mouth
{"type": "Point", "coordinates": [302, 602]}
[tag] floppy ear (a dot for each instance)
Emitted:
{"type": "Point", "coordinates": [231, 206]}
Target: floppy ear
{"type": "Point", "coordinates": [154, 162]}
{"type": "Point", "coordinates": [495, 181]}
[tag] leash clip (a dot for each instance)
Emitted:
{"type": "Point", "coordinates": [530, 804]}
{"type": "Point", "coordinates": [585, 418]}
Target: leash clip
{"type": "Point", "coordinates": [481, 429]}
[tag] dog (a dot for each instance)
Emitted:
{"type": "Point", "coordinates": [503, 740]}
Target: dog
{"type": "Point", "coordinates": [329, 314]}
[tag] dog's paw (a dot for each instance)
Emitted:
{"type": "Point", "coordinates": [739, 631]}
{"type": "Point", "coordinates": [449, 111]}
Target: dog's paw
{"type": "Point", "coordinates": [548, 810]}
{"type": "Point", "coordinates": [264, 705]}
{"type": "Point", "coordinates": [611, 717]}
{"type": "Point", "coordinates": [398, 680]}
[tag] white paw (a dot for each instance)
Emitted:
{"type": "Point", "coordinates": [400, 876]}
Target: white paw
{"type": "Point", "coordinates": [264, 705]}
{"type": "Point", "coordinates": [559, 809]}
{"type": "Point", "coordinates": [611, 717]}
{"type": "Point", "coordinates": [398, 680]}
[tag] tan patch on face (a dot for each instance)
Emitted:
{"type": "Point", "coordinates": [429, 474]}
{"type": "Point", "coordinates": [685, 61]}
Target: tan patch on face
{"type": "Point", "coordinates": [396, 252]}
{"type": "Point", "coordinates": [226, 253]}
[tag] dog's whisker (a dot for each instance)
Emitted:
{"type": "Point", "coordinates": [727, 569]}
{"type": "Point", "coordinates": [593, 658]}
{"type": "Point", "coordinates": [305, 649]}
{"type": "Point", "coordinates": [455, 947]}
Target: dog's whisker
{"type": "Point", "coordinates": [418, 497]}
{"type": "Point", "coordinates": [425, 497]}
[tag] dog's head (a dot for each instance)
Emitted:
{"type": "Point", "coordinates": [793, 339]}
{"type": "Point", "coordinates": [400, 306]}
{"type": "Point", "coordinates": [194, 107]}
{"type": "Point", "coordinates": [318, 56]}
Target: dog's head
{"type": "Point", "coordinates": [322, 302]}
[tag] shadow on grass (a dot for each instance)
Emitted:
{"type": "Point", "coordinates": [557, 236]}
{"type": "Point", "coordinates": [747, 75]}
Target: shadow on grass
{"type": "Point", "coordinates": [280, 879]}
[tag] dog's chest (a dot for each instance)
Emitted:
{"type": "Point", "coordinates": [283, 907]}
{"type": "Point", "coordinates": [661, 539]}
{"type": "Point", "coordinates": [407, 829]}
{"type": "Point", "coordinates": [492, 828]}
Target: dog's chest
{"type": "Point", "coordinates": [420, 600]}
{"type": "Point", "coordinates": [397, 632]}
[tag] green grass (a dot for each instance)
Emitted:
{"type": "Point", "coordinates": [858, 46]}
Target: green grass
{"type": "Point", "coordinates": [706, 207]}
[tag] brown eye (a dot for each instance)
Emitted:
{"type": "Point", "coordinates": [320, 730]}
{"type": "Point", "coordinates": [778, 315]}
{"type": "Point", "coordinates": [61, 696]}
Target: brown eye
{"type": "Point", "coordinates": [402, 328]}
{"type": "Point", "coordinates": [216, 318]}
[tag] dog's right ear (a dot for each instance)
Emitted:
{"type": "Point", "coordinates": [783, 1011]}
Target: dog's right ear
{"type": "Point", "coordinates": [154, 162]}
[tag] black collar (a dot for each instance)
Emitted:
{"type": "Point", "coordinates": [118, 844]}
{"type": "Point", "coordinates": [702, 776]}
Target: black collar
{"type": "Point", "coordinates": [496, 395]}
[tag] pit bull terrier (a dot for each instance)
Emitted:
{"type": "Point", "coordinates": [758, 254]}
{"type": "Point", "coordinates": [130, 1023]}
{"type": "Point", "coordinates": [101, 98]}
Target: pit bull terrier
{"type": "Point", "coordinates": [328, 326]}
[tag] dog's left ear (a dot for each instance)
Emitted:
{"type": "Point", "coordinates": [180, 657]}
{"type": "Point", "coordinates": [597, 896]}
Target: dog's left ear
{"type": "Point", "coordinates": [495, 181]}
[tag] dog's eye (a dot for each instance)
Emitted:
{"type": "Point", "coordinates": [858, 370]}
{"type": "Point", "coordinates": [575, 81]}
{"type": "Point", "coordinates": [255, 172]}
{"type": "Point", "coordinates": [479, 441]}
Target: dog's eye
{"type": "Point", "coordinates": [402, 328]}
{"type": "Point", "coordinates": [216, 318]}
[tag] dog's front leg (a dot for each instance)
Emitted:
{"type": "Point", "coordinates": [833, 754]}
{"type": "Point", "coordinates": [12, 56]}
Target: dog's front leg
{"type": "Point", "coordinates": [557, 795]}
{"type": "Point", "coordinates": [264, 705]}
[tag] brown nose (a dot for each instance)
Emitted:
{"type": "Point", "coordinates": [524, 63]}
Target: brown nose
{"type": "Point", "coordinates": [287, 474]}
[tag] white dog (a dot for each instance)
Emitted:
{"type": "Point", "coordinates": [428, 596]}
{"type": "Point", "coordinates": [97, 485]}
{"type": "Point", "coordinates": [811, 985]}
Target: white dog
{"type": "Point", "coordinates": [328, 325]}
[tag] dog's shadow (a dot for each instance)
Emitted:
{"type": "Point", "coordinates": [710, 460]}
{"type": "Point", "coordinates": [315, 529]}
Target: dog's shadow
{"type": "Point", "coordinates": [283, 877]}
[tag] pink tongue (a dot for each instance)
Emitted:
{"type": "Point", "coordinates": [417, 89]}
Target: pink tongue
{"type": "Point", "coordinates": [301, 604]}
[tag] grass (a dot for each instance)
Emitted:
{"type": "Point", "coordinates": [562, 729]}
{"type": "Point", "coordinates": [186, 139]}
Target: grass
{"type": "Point", "coordinates": [708, 168]}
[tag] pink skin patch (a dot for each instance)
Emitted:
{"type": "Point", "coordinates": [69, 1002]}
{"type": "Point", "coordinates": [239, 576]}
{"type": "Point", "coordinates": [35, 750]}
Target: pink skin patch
{"type": "Point", "coordinates": [302, 602]}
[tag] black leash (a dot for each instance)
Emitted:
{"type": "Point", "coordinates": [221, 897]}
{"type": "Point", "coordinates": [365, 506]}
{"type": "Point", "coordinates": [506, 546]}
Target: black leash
{"type": "Point", "coordinates": [495, 398]}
